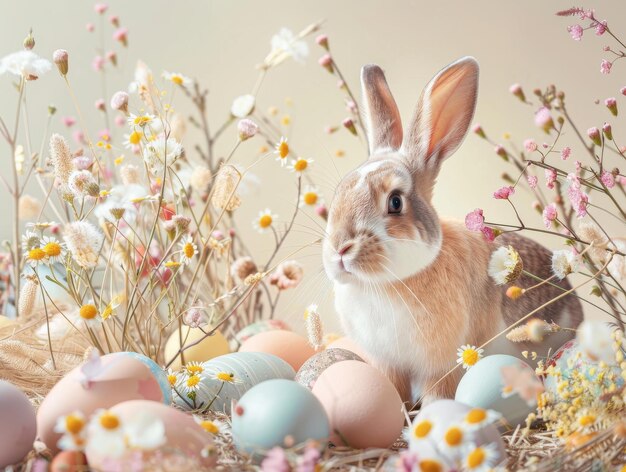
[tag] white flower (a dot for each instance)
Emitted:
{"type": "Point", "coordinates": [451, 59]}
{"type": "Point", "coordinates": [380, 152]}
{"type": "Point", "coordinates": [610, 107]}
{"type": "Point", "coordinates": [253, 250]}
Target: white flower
{"type": "Point", "coordinates": [83, 241]}
{"type": "Point", "coordinates": [161, 152]}
{"type": "Point", "coordinates": [106, 434]}
{"type": "Point", "coordinates": [299, 165]}
{"type": "Point", "coordinates": [617, 266]}
{"type": "Point", "coordinates": [282, 151]}
{"type": "Point", "coordinates": [468, 355]}
{"type": "Point", "coordinates": [242, 106]}
{"type": "Point", "coordinates": [55, 250]}
{"type": "Point", "coordinates": [191, 383]}
{"type": "Point", "coordinates": [310, 196]}
{"type": "Point", "coordinates": [596, 339]}
{"type": "Point", "coordinates": [136, 122]}
{"type": "Point", "coordinates": [144, 431]}
{"type": "Point", "coordinates": [285, 43]}
{"type": "Point", "coordinates": [178, 79]}
{"type": "Point", "coordinates": [30, 240]}
{"type": "Point", "coordinates": [211, 426]}
{"type": "Point", "coordinates": [188, 249]}
{"type": "Point", "coordinates": [454, 438]}
{"type": "Point", "coordinates": [121, 197]}
{"type": "Point", "coordinates": [264, 221]}
{"type": "Point", "coordinates": [200, 178]}
{"type": "Point", "coordinates": [481, 458]}
{"type": "Point", "coordinates": [564, 262]}
{"type": "Point", "coordinates": [477, 418]}
{"type": "Point", "coordinates": [25, 64]}
{"type": "Point", "coordinates": [505, 265]}
{"type": "Point", "coordinates": [82, 183]}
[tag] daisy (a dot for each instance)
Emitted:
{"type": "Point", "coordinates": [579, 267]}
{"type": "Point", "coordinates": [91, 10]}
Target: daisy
{"type": "Point", "coordinates": [505, 265]}
{"type": "Point", "coordinates": [178, 79]}
{"type": "Point", "coordinates": [310, 196]}
{"type": "Point", "coordinates": [194, 368]}
{"type": "Point", "coordinates": [132, 140]}
{"type": "Point", "coordinates": [109, 310]}
{"type": "Point", "coordinates": [172, 378]}
{"type": "Point", "coordinates": [74, 423]}
{"type": "Point", "coordinates": [476, 418]}
{"type": "Point", "coordinates": [286, 44]}
{"type": "Point", "coordinates": [586, 420]}
{"type": "Point", "coordinates": [36, 256]}
{"type": "Point", "coordinates": [242, 106]}
{"type": "Point", "coordinates": [89, 314]}
{"type": "Point", "coordinates": [454, 438]}
{"type": "Point", "coordinates": [140, 121]}
{"type": "Point", "coordinates": [468, 355]}
{"type": "Point", "coordinates": [106, 434]}
{"type": "Point", "coordinates": [144, 431]}
{"type": "Point", "coordinates": [191, 384]}
{"type": "Point", "coordinates": [481, 458]}
{"type": "Point", "coordinates": [299, 165]}
{"type": "Point", "coordinates": [55, 250]}
{"type": "Point", "coordinates": [226, 377]}
{"type": "Point", "coordinates": [25, 64]}
{"type": "Point", "coordinates": [72, 442]}
{"type": "Point", "coordinates": [564, 262]}
{"type": "Point", "coordinates": [188, 249]}
{"type": "Point", "coordinates": [161, 151]}
{"type": "Point", "coordinates": [282, 151]}
{"type": "Point", "coordinates": [209, 426]}
{"type": "Point", "coordinates": [422, 429]}
{"type": "Point", "coordinates": [30, 240]}
{"type": "Point", "coordinates": [264, 221]}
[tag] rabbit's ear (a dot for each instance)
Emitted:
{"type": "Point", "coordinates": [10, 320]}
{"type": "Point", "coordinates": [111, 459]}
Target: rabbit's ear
{"type": "Point", "coordinates": [443, 114]}
{"type": "Point", "coordinates": [380, 112]}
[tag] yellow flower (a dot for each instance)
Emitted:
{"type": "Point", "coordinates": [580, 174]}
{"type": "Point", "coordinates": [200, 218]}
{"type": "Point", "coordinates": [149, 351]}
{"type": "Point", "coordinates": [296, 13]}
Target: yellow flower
{"type": "Point", "coordinates": [192, 383]}
{"type": "Point", "coordinates": [52, 249]}
{"type": "Point", "coordinates": [286, 120]}
{"type": "Point", "coordinates": [172, 264]}
{"type": "Point", "coordinates": [468, 355]}
{"type": "Point", "coordinates": [209, 427]}
{"type": "Point", "coordinates": [430, 465]}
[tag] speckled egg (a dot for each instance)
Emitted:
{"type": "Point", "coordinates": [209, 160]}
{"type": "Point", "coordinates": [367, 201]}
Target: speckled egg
{"type": "Point", "coordinates": [364, 408]}
{"type": "Point", "coordinates": [312, 368]}
{"type": "Point", "coordinates": [68, 461]}
{"type": "Point", "coordinates": [18, 426]}
{"type": "Point", "coordinates": [349, 345]}
{"type": "Point", "coordinates": [482, 387]}
{"type": "Point", "coordinates": [208, 348]}
{"type": "Point", "coordinates": [259, 327]}
{"type": "Point", "coordinates": [441, 429]}
{"type": "Point", "coordinates": [112, 379]}
{"type": "Point", "coordinates": [290, 347]}
{"type": "Point", "coordinates": [277, 413]}
{"type": "Point", "coordinates": [247, 368]}
{"type": "Point", "coordinates": [183, 437]}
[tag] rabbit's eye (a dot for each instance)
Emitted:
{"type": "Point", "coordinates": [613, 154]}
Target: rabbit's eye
{"type": "Point", "coordinates": [394, 204]}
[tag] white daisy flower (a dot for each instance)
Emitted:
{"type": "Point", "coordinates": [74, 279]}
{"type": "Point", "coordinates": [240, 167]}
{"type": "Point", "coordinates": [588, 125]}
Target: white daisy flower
{"type": "Point", "coordinates": [74, 423]}
{"type": "Point", "coordinates": [264, 221]}
{"type": "Point", "coordinates": [55, 250]}
{"type": "Point", "coordinates": [310, 196]}
{"type": "Point", "coordinates": [299, 165]}
{"type": "Point", "coordinates": [90, 315]}
{"type": "Point", "coordinates": [194, 368]}
{"type": "Point", "coordinates": [137, 122]}
{"type": "Point", "coordinates": [282, 151]}
{"type": "Point", "coordinates": [454, 438]}
{"type": "Point", "coordinates": [144, 431]}
{"type": "Point", "coordinates": [133, 140]}
{"type": "Point", "coordinates": [161, 151]}
{"type": "Point", "coordinates": [72, 442]}
{"type": "Point", "coordinates": [285, 43]}
{"type": "Point", "coordinates": [30, 240]}
{"type": "Point", "coordinates": [243, 106]}
{"type": "Point", "coordinates": [481, 458]}
{"type": "Point", "coordinates": [36, 256]}
{"type": "Point", "coordinates": [214, 427]}
{"type": "Point", "coordinates": [468, 355]}
{"type": "Point", "coordinates": [188, 249]}
{"type": "Point", "coordinates": [191, 383]}
{"type": "Point", "coordinates": [121, 201]}
{"type": "Point", "coordinates": [505, 265]}
{"type": "Point", "coordinates": [106, 434]}
{"type": "Point", "coordinates": [178, 79]}
{"type": "Point", "coordinates": [564, 262]}
{"type": "Point", "coordinates": [25, 64]}
{"type": "Point", "coordinates": [223, 376]}
{"type": "Point", "coordinates": [477, 418]}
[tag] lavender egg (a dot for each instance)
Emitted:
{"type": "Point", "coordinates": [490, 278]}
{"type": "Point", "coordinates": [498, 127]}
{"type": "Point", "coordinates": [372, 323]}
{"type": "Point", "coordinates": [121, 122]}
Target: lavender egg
{"type": "Point", "coordinates": [18, 426]}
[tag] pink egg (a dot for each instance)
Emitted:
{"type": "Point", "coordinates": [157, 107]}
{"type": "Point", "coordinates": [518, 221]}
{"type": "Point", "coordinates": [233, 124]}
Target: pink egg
{"type": "Point", "coordinates": [289, 346]}
{"type": "Point", "coordinates": [17, 424]}
{"type": "Point", "coordinates": [187, 445]}
{"type": "Point", "coordinates": [363, 406]}
{"type": "Point", "coordinates": [118, 377]}
{"type": "Point", "coordinates": [350, 345]}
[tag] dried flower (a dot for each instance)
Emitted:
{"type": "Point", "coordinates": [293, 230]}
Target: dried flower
{"type": "Point", "coordinates": [349, 125]}
{"type": "Point", "coordinates": [551, 176]}
{"type": "Point", "coordinates": [505, 265]}
{"type": "Point", "coordinates": [60, 58]}
{"type": "Point", "coordinates": [29, 207]}
{"type": "Point", "coordinates": [532, 181]}
{"type": "Point", "coordinates": [322, 40]}
{"type": "Point", "coordinates": [299, 165]}
{"type": "Point", "coordinates": [530, 145]}
{"type": "Point", "coordinates": [82, 183]}
{"type": "Point", "coordinates": [130, 174]}
{"type": "Point", "coordinates": [28, 296]}
{"type": "Point", "coordinates": [29, 41]}
{"type": "Point", "coordinates": [611, 104]}
{"type": "Point", "coordinates": [477, 129]}
{"type": "Point", "coordinates": [596, 340]}
{"type": "Point", "coordinates": [287, 275]}
{"type": "Point", "coordinates": [594, 135]}
{"type": "Point", "coordinates": [326, 61]}
{"type": "Point", "coordinates": [119, 101]}
{"type": "Point", "coordinates": [275, 461]}
{"type": "Point", "coordinates": [247, 129]}
{"type": "Point", "coordinates": [242, 106]}
{"type": "Point", "coordinates": [178, 79]}
{"type": "Point", "coordinates": [521, 381]}
{"type": "Point", "coordinates": [161, 152]}
{"type": "Point", "coordinates": [564, 262]}
{"type": "Point", "coordinates": [516, 90]}
{"type": "Point", "coordinates": [576, 31]}
{"type": "Point", "coordinates": [514, 292]}
{"type": "Point", "coordinates": [25, 64]}
{"type": "Point", "coordinates": [314, 328]}
{"type": "Point", "coordinates": [284, 45]}
{"type": "Point", "coordinates": [83, 242]}
{"type": "Point", "coordinates": [242, 268]}
{"type": "Point", "coordinates": [61, 159]}
{"type": "Point", "coordinates": [225, 192]}
{"type": "Point", "coordinates": [475, 221]}
{"type": "Point", "coordinates": [605, 66]}
{"type": "Point", "coordinates": [549, 215]}
{"type": "Point", "coordinates": [543, 119]}
{"type": "Point", "coordinates": [282, 151]}
{"type": "Point", "coordinates": [566, 152]}
{"type": "Point", "coordinates": [310, 196]}
{"type": "Point", "coordinates": [504, 193]}
{"type": "Point", "coordinates": [121, 35]}
{"type": "Point", "coordinates": [194, 317]}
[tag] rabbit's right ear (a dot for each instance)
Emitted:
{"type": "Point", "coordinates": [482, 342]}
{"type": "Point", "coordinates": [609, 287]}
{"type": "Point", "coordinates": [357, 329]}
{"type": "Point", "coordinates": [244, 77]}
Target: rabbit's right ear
{"type": "Point", "coordinates": [380, 112]}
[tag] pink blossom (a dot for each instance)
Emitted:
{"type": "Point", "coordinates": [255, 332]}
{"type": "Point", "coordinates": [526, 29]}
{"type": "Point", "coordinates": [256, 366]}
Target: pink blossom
{"type": "Point", "coordinates": [607, 130]}
{"type": "Point", "coordinates": [516, 89]}
{"type": "Point", "coordinates": [576, 31]}
{"type": "Point", "coordinates": [120, 120]}
{"type": "Point", "coordinates": [578, 198]}
{"type": "Point", "coordinates": [247, 129]}
{"type": "Point", "coordinates": [479, 130]}
{"type": "Point", "coordinates": [503, 193]}
{"type": "Point", "coordinates": [549, 215]}
{"type": "Point", "coordinates": [621, 180]}
{"type": "Point", "coordinates": [100, 8]}
{"type": "Point", "coordinates": [121, 35]}
{"type": "Point", "coordinates": [321, 210]}
{"type": "Point", "coordinates": [98, 63]}
{"type": "Point", "coordinates": [90, 27]}
{"type": "Point", "coordinates": [611, 104]}
{"type": "Point", "coordinates": [275, 461]}
{"type": "Point", "coordinates": [488, 233]}
{"type": "Point", "coordinates": [218, 235]}
{"type": "Point", "coordinates": [532, 181]}
{"type": "Point", "coordinates": [550, 178]}
{"type": "Point", "coordinates": [622, 90]}
{"type": "Point", "coordinates": [351, 106]}
{"type": "Point", "coordinates": [79, 137]}
{"type": "Point", "coordinates": [194, 318]}
{"type": "Point", "coordinates": [287, 275]}
{"type": "Point", "coordinates": [104, 134]}
{"type": "Point", "coordinates": [543, 119]}
{"type": "Point", "coordinates": [326, 61]}
{"type": "Point", "coordinates": [475, 221]}
{"type": "Point", "coordinates": [340, 84]}
{"type": "Point", "coordinates": [322, 40]}
{"type": "Point", "coordinates": [594, 135]}
{"type": "Point", "coordinates": [100, 104]}
{"type": "Point", "coordinates": [307, 462]}
{"type": "Point", "coordinates": [119, 101]}
{"type": "Point", "coordinates": [605, 66]}
{"type": "Point", "coordinates": [566, 152]}
{"type": "Point", "coordinates": [68, 121]}
{"type": "Point", "coordinates": [115, 20]}
{"type": "Point", "coordinates": [600, 28]}
{"type": "Point", "coordinates": [349, 125]}
{"type": "Point", "coordinates": [112, 57]}
{"type": "Point", "coordinates": [608, 179]}
{"type": "Point", "coordinates": [500, 151]}
{"type": "Point", "coordinates": [82, 162]}
{"type": "Point", "coordinates": [530, 145]}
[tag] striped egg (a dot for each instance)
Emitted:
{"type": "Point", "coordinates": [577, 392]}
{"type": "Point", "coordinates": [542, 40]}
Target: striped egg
{"type": "Point", "coordinates": [247, 368]}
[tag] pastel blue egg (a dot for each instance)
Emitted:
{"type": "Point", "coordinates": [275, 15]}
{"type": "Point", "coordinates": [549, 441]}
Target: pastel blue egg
{"type": "Point", "coordinates": [157, 371]}
{"type": "Point", "coordinates": [276, 410]}
{"type": "Point", "coordinates": [248, 369]}
{"type": "Point", "coordinates": [482, 386]}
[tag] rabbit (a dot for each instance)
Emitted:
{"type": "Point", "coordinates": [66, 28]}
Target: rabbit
{"type": "Point", "coordinates": [410, 288]}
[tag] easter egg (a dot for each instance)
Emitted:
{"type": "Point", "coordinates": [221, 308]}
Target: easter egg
{"type": "Point", "coordinates": [444, 428]}
{"type": "Point", "coordinates": [208, 348]}
{"type": "Point", "coordinates": [349, 345]}
{"type": "Point", "coordinates": [180, 436]}
{"type": "Point", "coordinates": [364, 408]}
{"type": "Point", "coordinates": [277, 412]}
{"type": "Point", "coordinates": [259, 327]}
{"type": "Point", "coordinates": [312, 368]}
{"type": "Point", "coordinates": [68, 461]}
{"type": "Point", "coordinates": [247, 369]}
{"type": "Point", "coordinates": [290, 347]}
{"type": "Point", "coordinates": [18, 426]}
{"type": "Point", "coordinates": [98, 383]}
{"type": "Point", "coordinates": [482, 386]}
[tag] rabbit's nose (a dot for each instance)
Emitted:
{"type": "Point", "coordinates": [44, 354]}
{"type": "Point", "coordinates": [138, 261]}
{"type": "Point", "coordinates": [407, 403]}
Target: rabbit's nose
{"type": "Point", "coordinates": [345, 248]}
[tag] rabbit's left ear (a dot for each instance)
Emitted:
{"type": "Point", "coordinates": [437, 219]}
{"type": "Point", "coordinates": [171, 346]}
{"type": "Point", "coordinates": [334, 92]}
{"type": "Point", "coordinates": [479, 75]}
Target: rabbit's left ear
{"type": "Point", "coordinates": [380, 112]}
{"type": "Point", "coordinates": [443, 114]}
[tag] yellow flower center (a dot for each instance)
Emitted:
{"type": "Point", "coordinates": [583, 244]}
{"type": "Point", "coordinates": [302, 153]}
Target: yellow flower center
{"type": "Point", "coordinates": [422, 429]}
{"type": "Point", "coordinates": [88, 312]}
{"type": "Point", "coordinates": [171, 264]}
{"type": "Point", "coordinates": [286, 120]}
{"type": "Point", "coordinates": [108, 311]}
{"type": "Point", "coordinates": [74, 424]}
{"type": "Point", "coordinates": [177, 79]}
{"type": "Point", "coordinates": [265, 221]}
{"type": "Point", "coordinates": [134, 137]}
{"type": "Point", "coordinates": [194, 369]}
{"type": "Point", "coordinates": [193, 381]}
{"type": "Point", "coordinates": [189, 250]}
{"type": "Point", "coordinates": [209, 427]}
{"type": "Point", "coordinates": [470, 356]}
{"type": "Point", "coordinates": [586, 420]}
{"type": "Point", "coordinates": [225, 376]}
{"type": "Point", "coordinates": [476, 415]}
{"type": "Point", "coordinates": [283, 149]}
{"type": "Point", "coordinates": [430, 465]}
{"type": "Point", "coordinates": [171, 378]}
{"type": "Point", "coordinates": [36, 254]}
{"type": "Point", "coordinates": [109, 420]}
{"type": "Point", "coordinates": [310, 198]}
{"type": "Point", "coordinates": [475, 458]}
{"type": "Point", "coordinates": [301, 165]}
{"type": "Point", "coordinates": [52, 249]}
{"type": "Point", "coordinates": [454, 436]}
{"type": "Point", "coordinates": [142, 120]}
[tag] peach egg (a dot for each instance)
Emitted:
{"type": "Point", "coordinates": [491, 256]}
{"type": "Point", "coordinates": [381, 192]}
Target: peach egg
{"type": "Point", "coordinates": [290, 347]}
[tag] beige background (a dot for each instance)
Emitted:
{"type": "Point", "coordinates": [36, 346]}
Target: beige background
{"type": "Point", "coordinates": [219, 42]}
